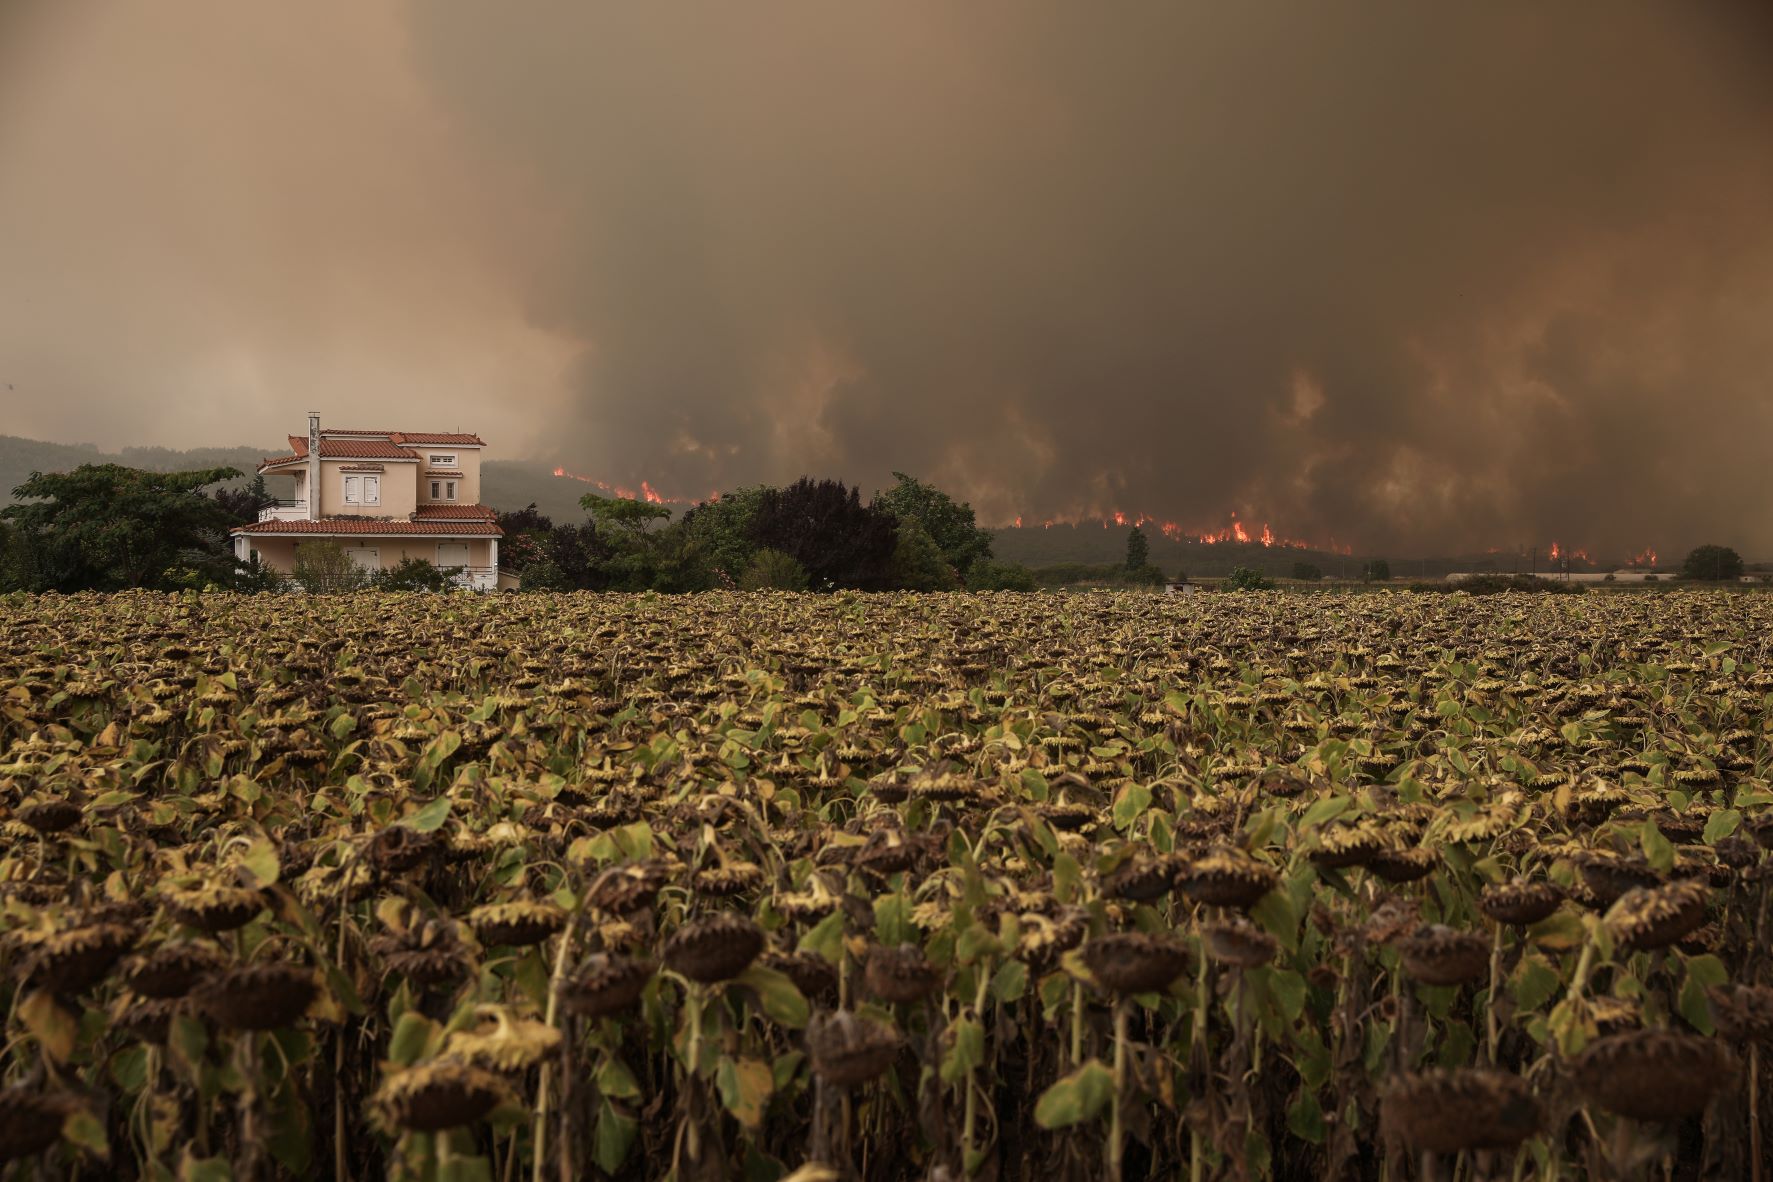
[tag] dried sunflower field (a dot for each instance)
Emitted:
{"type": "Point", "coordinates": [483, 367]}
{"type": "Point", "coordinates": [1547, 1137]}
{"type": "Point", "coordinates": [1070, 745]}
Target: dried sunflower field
{"type": "Point", "coordinates": [885, 887]}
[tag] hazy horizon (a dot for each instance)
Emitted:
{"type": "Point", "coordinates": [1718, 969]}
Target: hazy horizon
{"type": "Point", "coordinates": [1420, 279]}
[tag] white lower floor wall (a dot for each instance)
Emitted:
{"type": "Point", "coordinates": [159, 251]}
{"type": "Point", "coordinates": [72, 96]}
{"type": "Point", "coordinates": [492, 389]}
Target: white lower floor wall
{"type": "Point", "coordinates": [475, 560]}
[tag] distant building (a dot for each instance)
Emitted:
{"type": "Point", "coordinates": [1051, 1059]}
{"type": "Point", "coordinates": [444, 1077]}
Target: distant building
{"type": "Point", "coordinates": [382, 496]}
{"type": "Point", "coordinates": [1181, 587]}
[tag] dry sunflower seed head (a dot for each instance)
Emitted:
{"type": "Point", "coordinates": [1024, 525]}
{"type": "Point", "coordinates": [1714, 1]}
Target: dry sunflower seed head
{"type": "Point", "coordinates": [517, 924]}
{"type": "Point", "coordinates": [258, 997]}
{"type": "Point", "coordinates": [442, 1094]}
{"type": "Point", "coordinates": [900, 975]}
{"type": "Point", "coordinates": [503, 1043]}
{"type": "Point", "coordinates": [1438, 955]}
{"type": "Point", "coordinates": [714, 949]}
{"type": "Point", "coordinates": [31, 1121]}
{"type": "Point", "coordinates": [1134, 962]}
{"type": "Point", "coordinates": [1451, 1111]}
{"type": "Point", "coordinates": [1653, 1075]}
{"type": "Point", "coordinates": [605, 985]}
{"type": "Point", "coordinates": [1654, 917]}
{"type": "Point", "coordinates": [173, 969]}
{"type": "Point", "coordinates": [214, 907]}
{"type": "Point", "coordinates": [847, 1049]}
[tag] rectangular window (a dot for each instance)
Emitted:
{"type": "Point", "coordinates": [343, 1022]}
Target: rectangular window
{"type": "Point", "coordinates": [434, 490]}
{"type": "Point", "coordinates": [449, 491]}
{"type": "Point", "coordinates": [372, 490]}
{"type": "Point", "coordinates": [351, 492]}
{"type": "Point", "coordinates": [443, 461]}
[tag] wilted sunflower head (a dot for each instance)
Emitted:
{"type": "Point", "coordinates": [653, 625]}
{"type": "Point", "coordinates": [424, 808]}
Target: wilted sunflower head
{"type": "Point", "coordinates": [1655, 917]}
{"type": "Point", "coordinates": [517, 923]}
{"type": "Point", "coordinates": [31, 1120]}
{"type": "Point", "coordinates": [69, 960]}
{"type": "Point", "coordinates": [503, 1042]}
{"type": "Point", "coordinates": [213, 906]}
{"type": "Point", "coordinates": [173, 969]}
{"type": "Point", "coordinates": [1451, 1111]}
{"type": "Point", "coordinates": [1653, 1075]}
{"type": "Point", "coordinates": [438, 1095]}
{"type": "Point", "coordinates": [714, 949]}
{"type": "Point", "coordinates": [848, 1049]}
{"type": "Point", "coordinates": [1134, 962]}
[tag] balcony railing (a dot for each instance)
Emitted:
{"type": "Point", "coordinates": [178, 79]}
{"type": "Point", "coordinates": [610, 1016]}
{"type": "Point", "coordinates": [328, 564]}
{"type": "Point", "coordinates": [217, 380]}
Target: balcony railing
{"type": "Point", "coordinates": [474, 578]}
{"type": "Point", "coordinates": [284, 509]}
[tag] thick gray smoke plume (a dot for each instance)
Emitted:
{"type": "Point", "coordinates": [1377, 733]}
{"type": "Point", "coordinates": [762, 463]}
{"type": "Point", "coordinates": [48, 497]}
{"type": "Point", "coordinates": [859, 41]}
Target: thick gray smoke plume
{"type": "Point", "coordinates": [1419, 276]}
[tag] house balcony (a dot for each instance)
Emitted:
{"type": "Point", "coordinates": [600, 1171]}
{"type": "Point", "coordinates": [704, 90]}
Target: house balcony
{"type": "Point", "coordinates": [284, 509]}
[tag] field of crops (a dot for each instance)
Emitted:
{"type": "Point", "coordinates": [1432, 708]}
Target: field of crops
{"type": "Point", "coordinates": [755, 886]}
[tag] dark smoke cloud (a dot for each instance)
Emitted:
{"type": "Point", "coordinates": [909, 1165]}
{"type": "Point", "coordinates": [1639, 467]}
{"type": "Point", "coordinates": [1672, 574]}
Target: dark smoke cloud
{"type": "Point", "coordinates": [1419, 276]}
{"type": "Point", "coordinates": [1416, 275]}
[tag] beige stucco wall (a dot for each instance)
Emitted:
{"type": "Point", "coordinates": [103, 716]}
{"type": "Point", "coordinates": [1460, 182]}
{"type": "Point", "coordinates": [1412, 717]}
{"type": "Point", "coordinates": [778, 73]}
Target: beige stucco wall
{"type": "Point", "coordinates": [467, 484]}
{"type": "Point", "coordinates": [399, 493]}
{"type": "Point", "coordinates": [280, 553]}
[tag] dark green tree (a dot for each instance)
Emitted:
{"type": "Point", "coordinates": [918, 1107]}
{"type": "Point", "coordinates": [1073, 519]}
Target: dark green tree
{"type": "Point", "coordinates": [711, 546]}
{"type": "Point", "coordinates": [1712, 564]}
{"type": "Point", "coordinates": [988, 575]}
{"type": "Point", "coordinates": [918, 563]}
{"type": "Point", "coordinates": [243, 504]}
{"type": "Point", "coordinates": [949, 523]}
{"type": "Point", "coordinates": [623, 515]}
{"type": "Point", "coordinates": [1305, 572]}
{"type": "Point", "coordinates": [1138, 549]}
{"type": "Point", "coordinates": [1243, 578]}
{"type": "Point", "coordinates": [1376, 570]}
{"type": "Point", "coordinates": [624, 526]}
{"type": "Point", "coordinates": [105, 527]}
{"type": "Point", "coordinates": [823, 525]}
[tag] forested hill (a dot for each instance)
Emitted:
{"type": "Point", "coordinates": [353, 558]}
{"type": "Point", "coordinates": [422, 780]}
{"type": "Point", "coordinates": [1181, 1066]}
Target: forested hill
{"type": "Point", "coordinates": [505, 484]}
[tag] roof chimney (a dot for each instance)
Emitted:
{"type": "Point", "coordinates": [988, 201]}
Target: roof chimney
{"type": "Point", "coordinates": [313, 465]}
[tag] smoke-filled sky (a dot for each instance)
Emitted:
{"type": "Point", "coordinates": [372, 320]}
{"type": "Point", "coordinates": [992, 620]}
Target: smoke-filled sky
{"type": "Point", "coordinates": [1423, 276]}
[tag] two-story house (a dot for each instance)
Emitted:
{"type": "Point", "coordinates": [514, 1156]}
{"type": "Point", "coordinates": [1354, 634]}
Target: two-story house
{"type": "Point", "coordinates": [382, 496]}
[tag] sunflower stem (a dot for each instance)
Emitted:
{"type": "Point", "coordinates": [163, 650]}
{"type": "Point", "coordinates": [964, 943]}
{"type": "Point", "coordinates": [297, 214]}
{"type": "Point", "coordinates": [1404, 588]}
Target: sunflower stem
{"type": "Point", "coordinates": [1754, 1110]}
{"type": "Point", "coordinates": [1116, 1124]}
{"type": "Point", "coordinates": [1491, 1023]}
{"type": "Point", "coordinates": [550, 1016]}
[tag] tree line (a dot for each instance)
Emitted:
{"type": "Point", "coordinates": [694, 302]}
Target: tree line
{"type": "Point", "coordinates": [813, 534]}
{"type": "Point", "coordinates": [109, 527]}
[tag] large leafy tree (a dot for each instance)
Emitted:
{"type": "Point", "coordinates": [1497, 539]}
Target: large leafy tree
{"type": "Point", "coordinates": [948, 522]}
{"type": "Point", "coordinates": [711, 546]}
{"type": "Point", "coordinates": [1712, 564]}
{"type": "Point", "coordinates": [105, 527]}
{"type": "Point", "coordinates": [824, 526]}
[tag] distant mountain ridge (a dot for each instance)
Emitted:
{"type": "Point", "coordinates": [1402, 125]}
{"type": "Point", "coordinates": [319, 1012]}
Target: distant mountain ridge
{"type": "Point", "coordinates": [504, 484]}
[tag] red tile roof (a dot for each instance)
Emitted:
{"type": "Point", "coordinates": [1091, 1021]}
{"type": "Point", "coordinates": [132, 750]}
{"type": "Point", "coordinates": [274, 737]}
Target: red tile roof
{"type": "Point", "coordinates": [368, 527]}
{"type": "Point", "coordinates": [423, 437]}
{"type": "Point", "coordinates": [454, 513]}
{"type": "Point", "coordinates": [275, 460]}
